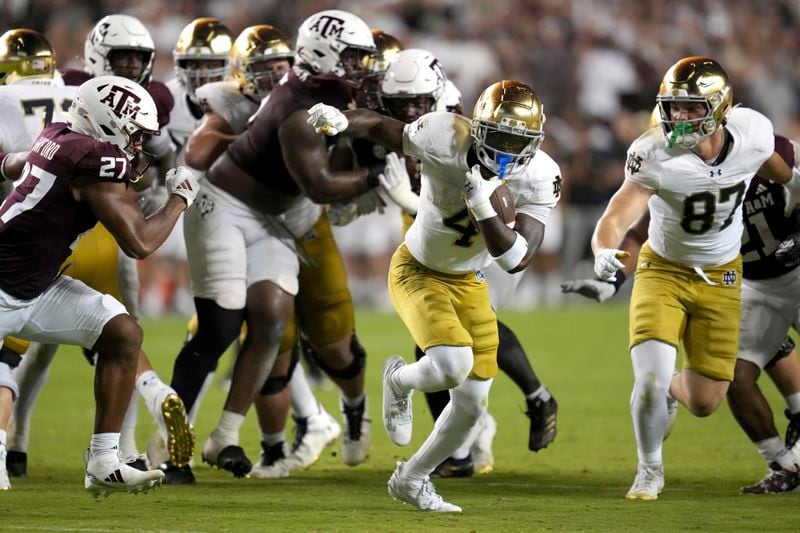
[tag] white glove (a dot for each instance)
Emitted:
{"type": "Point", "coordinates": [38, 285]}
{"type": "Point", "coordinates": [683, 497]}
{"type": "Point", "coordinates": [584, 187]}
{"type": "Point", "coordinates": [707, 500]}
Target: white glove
{"type": "Point", "coordinates": [591, 288]}
{"type": "Point", "coordinates": [607, 262]}
{"type": "Point", "coordinates": [477, 191]}
{"type": "Point", "coordinates": [152, 199]}
{"type": "Point", "coordinates": [182, 181]}
{"type": "Point", "coordinates": [397, 184]}
{"type": "Point", "coordinates": [327, 119]}
{"type": "Point", "coordinates": [342, 213]}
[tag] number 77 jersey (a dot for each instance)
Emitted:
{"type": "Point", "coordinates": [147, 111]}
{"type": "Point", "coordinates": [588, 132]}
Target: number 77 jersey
{"type": "Point", "coordinates": [26, 108]}
{"type": "Point", "coordinates": [696, 211]}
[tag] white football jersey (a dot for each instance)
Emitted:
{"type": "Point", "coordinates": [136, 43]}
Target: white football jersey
{"type": "Point", "coordinates": [225, 99]}
{"type": "Point", "coordinates": [442, 236]}
{"type": "Point", "coordinates": [183, 120]}
{"type": "Point", "coordinates": [26, 108]}
{"type": "Point", "coordinates": [696, 211]}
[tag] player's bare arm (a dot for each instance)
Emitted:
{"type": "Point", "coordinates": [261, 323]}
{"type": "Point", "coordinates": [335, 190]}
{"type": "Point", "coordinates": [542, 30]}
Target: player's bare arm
{"type": "Point", "coordinates": [137, 236]}
{"type": "Point", "coordinates": [776, 169]}
{"type": "Point", "coordinates": [377, 128]}
{"type": "Point", "coordinates": [208, 141]}
{"type": "Point", "coordinates": [500, 238]}
{"type": "Point", "coordinates": [627, 205]}
{"type": "Point", "coordinates": [306, 156]}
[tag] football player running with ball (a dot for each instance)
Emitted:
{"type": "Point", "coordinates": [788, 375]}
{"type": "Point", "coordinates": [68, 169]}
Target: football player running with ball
{"type": "Point", "coordinates": [436, 278]}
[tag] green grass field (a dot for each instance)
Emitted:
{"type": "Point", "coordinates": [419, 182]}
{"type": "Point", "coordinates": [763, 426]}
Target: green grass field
{"type": "Point", "coordinates": [576, 484]}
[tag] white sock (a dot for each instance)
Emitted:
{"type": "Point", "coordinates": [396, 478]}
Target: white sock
{"type": "Point", "coordinates": [541, 392]}
{"type": "Point", "coordinates": [30, 375]}
{"type": "Point", "coordinates": [653, 364]}
{"type": "Point", "coordinates": [304, 404]}
{"type": "Point", "coordinates": [773, 450]}
{"type": "Point", "coordinates": [271, 439]}
{"type": "Point", "coordinates": [2, 437]}
{"type": "Point", "coordinates": [356, 401]}
{"type": "Point", "coordinates": [127, 436]}
{"type": "Point", "coordinates": [104, 444]}
{"type": "Point", "coordinates": [196, 406]}
{"type": "Point", "coordinates": [467, 404]}
{"type": "Point", "coordinates": [153, 391]}
{"type": "Point", "coordinates": [229, 425]}
{"type": "Point", "coordinates": [793, 402]}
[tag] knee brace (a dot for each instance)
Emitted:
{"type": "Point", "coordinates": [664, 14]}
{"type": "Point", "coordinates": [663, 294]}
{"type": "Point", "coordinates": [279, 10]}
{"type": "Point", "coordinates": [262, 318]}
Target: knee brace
{"type": "Point", "coordinates": [348, 372]}
{"type": "Point", "coordinates": [274, 385]}
{"type": "Point", "coordinates": [7, 380]}
{"type": "Point", "coordinates": [653, 365]}
{"type": "Point", "coordinates": [453, 362]}
{"type": "Point", "coordinates": [471, 398]}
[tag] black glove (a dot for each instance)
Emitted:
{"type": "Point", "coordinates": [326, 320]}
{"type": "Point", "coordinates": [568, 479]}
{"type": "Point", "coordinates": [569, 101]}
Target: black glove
{"type": "Point", "coordinates": [788, 252]}
{"type": "Point", "coordinates": [594, 288]}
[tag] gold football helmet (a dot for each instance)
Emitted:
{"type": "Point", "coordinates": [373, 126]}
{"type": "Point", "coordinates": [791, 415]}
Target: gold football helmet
{"type": "Point", "coordinates": [694, 79]}
{"type": "Point", "coordinates": [387, 49]}
{"type": "Point", "coordinates": [25, 55]}
{"type": "Point", "coordinates": [507, 126]}
{"type": "Point", "coordinates": [254, 56]}
{"type": "Point", "coordinates": [201, 53]}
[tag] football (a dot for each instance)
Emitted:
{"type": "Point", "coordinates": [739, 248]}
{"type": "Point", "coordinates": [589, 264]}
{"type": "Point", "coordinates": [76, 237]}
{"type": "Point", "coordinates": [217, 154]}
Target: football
{"type": "Point", "coordinates": [503, 203]}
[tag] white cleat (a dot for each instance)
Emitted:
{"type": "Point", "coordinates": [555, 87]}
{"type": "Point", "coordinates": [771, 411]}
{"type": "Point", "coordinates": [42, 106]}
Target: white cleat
{"type": "Point", "coordinates": [481, 450]}
{"type": "Point", "coordinates": [397, 414]}
{"type": "Point", "coordinates": [273, 463]}
{"type": "Point", "coordinates": [313, 434]}
{"type": "Point", "coordinates": [173, 427]}
{"type": "Point", "coordinates": [419, 493]}
{"type": "Point", "coordinates": [648, 484]}
{"type": "Point", "coordinates": [110, 475]}
{"type": "Point", "coordinates": [5, 483]}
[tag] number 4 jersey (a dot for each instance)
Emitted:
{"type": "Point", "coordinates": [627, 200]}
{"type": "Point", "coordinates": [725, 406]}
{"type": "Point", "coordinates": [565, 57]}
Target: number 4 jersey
{"type": "Point", "coordinates": [41, 220]}
{"type": "Point", "coordinates": [696, 214]}
{"type": "Point", "coordinates": [442, 236]}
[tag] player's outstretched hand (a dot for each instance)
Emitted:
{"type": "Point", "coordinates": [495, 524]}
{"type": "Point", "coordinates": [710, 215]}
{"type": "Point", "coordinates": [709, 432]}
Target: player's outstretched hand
{"type": "Point", "coordinates": [477, 192]}
{"type": "Point", "coordinates": [607, 262]}
{"type": "Point", "coordinates": [590, 288]}
{"type": "Point", "coordinates": [183, 182]}
{"type": "Point", "coordinates": [327, 119]}
{"type": "Point", "coordinates": [397, 183]}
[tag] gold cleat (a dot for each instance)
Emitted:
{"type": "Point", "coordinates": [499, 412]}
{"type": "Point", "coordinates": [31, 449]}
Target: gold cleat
{"type": "Point", "coordinates": [180, 433]}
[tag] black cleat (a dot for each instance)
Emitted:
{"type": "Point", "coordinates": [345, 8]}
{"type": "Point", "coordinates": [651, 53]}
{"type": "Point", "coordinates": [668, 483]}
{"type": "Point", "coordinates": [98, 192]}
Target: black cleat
{"type": "Point", "coordinates": [234, 460]}
{"type": "Point", "coordinates": [177, 475]}
{"type": "Point", "coordinates": [17, 464]}
{"type": "Point", "coordinates": [776, 481]}
{"type": "Point", "coordinates": [792, 430]}
{"type": "Point", "coordinates": [543, 422]}
{"type": "Point", "coordinates": [455, 468]}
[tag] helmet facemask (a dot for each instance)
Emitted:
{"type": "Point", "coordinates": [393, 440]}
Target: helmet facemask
{"type": "Point", "coordinates": [194, 73]}
{"type": "Point", "coordinates": [505, 148]}
{"type": "Point", "coordinates": [354, 64]}
{"type": "Point", "coordinates": [687, 133]}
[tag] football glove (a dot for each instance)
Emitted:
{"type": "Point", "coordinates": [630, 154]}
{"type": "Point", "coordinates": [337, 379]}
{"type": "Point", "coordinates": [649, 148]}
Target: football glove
{"type": "Point", "coordinates": [788, 252]}
{"type": "Point", "coordinates": [397, 184]}
{"type": "Point", "coordinates": [182, 182]}
{"type": "Point", "coordinates": [327, 119]}
{"type": "Point", "coordinates": [477, 192]}
{"type": "Point", "coordinates": [607, 262]}
{"type": "Point", "coordinates": [591, 288]}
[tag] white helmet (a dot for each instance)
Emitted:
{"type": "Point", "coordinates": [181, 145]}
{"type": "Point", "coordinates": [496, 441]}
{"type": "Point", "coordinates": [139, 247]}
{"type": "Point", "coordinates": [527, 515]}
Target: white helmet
{"type": "Point", "coordinates": [413, 84]}
{"type": "Point", "coordinates": [117, 32]}
{"type": "Point", "coordinates": [114, 109]}
{"type": "Point", "coordinates": [451, 99]}
{"type": "Point", "coordinates": [324, 36]}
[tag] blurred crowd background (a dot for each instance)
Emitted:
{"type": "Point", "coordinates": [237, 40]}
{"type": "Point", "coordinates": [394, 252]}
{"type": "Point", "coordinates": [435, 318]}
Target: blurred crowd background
{"type": "Point", "coordinates": [596, 64]}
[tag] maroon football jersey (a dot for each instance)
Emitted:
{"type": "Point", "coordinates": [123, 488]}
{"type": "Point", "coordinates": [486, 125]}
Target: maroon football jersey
{"type": "Point", "coordinates": [160, 93]}
{"type": "Point", "coordinates": [257, 151]}
{"type": "Point", "coordinates": [764, 222]}
{"type": "Point", "coordinates": [41, 220]}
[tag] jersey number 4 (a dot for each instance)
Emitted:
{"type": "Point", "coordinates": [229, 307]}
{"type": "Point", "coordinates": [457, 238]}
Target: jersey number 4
{"type": "Point", "coordinates": [699, 208]}
{"type": "Point", "coordinates": [463, 225]}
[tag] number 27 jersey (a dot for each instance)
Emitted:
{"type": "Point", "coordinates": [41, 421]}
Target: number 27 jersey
{"type": "Point", "coordinates": [696, 211]}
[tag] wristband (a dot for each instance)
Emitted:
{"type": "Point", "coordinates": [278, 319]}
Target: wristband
{"type": "Point", "coordinates": [483, 211]}
{"type": "Point", "coordinates": [511, 258]}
